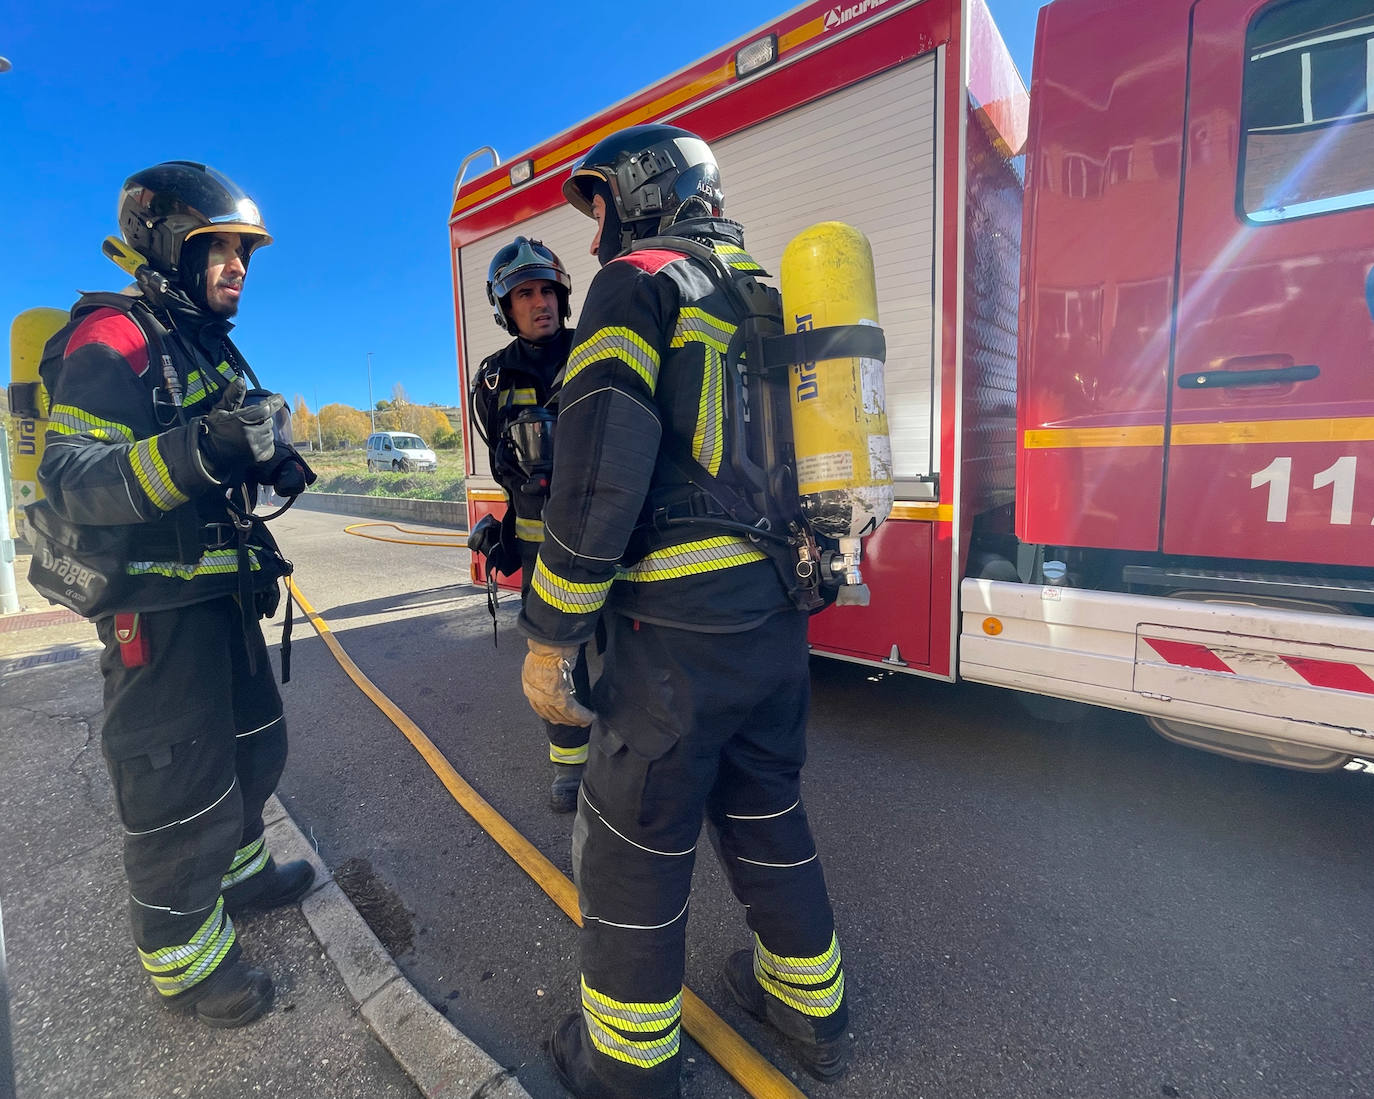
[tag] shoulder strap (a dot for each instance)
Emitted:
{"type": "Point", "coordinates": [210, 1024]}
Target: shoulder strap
{"type": "Point", "coordinates": [54, 351]}
{"type": "Point", "coordinates": [239, 363]}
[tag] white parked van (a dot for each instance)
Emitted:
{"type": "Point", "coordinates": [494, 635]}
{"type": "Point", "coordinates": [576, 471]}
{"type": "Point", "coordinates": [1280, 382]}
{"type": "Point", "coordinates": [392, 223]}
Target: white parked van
{"type": "Point", "coordinates": [400, 451]}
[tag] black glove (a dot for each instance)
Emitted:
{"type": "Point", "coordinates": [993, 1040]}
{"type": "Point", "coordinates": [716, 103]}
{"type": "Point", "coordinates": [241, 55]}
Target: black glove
{"type": "Point", "coordinates": [287, 473]}
{"type": "Point", "coordinates": [232, 438]}
{"type": "Point", "coordinates": [266, 600]}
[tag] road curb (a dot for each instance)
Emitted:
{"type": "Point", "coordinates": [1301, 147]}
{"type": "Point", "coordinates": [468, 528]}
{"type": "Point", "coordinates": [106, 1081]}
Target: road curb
{"type": "Point", "coordinates": [442, 1061]}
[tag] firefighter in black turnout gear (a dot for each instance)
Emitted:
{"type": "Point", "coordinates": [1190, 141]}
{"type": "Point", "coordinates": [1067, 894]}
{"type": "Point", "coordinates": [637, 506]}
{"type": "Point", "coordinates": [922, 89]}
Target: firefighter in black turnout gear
{"type": "Point", "coordinates": [701, 707]}
{"type": "Point", "coordinates": [157, 444]}
{"type": "Point", "coordinates": [512, 401]}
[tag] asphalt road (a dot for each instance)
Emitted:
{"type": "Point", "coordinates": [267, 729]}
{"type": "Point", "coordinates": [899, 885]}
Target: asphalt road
{"type": "Point", "coordinates": [1025, 909]}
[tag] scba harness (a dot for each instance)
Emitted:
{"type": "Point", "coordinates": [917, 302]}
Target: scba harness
{"type": "Point", "coordinates": [758, 361]}
{"type": "Point", "coordinates": [85, 567]}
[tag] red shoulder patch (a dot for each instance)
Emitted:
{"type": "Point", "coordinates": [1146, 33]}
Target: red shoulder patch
{"type": "Point", "coordinates": [116, 331]}
{"type": "Point", "coordinates": [652, 260]}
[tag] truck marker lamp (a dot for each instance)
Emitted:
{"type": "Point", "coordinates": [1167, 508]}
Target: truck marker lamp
{"type": "Point", "coordinates": [992, 626]}
{"type": "Point", "coordinates": [757, 55]}
{"type": "Point", "coordinates": [522, 172]}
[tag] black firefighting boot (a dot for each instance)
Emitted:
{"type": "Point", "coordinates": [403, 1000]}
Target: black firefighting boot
{"type": "Point", "coordinates": [567, 780]}
{"type": "Point", "coordinates": [572, 1065]}
{"type": "Point", "coordinates": [271, 887]}
{"type": "Point", "coordinates": [825, 1060]}
{"type": "Point", "coordinates": [233, 995]}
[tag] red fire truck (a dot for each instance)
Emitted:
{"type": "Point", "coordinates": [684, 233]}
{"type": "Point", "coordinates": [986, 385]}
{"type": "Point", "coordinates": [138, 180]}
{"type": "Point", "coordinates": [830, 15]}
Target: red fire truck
{"type": "Point", "coordinates": [1130, 369]}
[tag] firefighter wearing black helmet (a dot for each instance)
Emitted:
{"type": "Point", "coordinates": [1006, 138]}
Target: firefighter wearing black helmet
{"type": "Point", "coordinates": [702, 703]}
{"type": "Point", "coordinates": [153, 440]}
{"type": "Point", "coordinates": [511, 404]}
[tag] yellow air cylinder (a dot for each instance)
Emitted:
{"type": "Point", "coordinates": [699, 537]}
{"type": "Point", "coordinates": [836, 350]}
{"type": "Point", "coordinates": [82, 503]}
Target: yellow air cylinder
{"type": "Point", "coordinates": [28, 333]}
{"type": "Point", "coordinates": [839, 413]}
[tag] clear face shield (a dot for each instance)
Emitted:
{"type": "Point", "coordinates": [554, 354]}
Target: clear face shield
{"type": "Point", "coordinates": [281, 418]}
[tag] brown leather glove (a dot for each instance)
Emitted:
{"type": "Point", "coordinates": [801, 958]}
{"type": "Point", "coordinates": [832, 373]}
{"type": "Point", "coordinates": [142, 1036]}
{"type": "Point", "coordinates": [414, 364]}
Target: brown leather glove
{"type": "Point", "coordinates": [547, 680]}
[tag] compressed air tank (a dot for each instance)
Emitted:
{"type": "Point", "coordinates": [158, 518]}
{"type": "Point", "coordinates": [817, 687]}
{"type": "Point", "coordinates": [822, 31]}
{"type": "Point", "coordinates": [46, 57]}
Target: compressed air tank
{"type": "Point", "coordinates": [30, 330]}
{"type": "Point", "coordinates": [839, 412]}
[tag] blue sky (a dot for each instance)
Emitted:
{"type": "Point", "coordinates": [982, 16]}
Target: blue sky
{"type": "Point", "coordinates": [346, 121]}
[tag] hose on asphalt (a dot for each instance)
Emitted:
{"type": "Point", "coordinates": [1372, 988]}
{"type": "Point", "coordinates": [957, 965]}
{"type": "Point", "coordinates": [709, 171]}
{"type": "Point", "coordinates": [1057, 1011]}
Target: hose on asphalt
{"type": "Point", "coordinates": [355, 529]}
{"type": "Point", "coordinates": [736, 1056]}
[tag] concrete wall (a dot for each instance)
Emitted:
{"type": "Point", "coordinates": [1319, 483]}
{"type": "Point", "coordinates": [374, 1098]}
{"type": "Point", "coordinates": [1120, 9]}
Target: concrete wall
{"type": "Point", "coordinates": [446, 513]}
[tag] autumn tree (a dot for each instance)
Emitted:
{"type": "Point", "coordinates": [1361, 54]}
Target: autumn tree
{"type": "Point", "coordinates": [423, 420]}
{"type": "Point", "coordinates": [343, 426]}
{"type": "Point", "coordinates": [304, 423]}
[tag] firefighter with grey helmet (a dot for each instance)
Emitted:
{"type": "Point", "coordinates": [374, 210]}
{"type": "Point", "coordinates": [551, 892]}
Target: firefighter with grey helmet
{"type": "Point", "coordinates": [158, 440]}
{"type": "Point", "coordinates": [701, 706]}
{"type": "Point", "coordinates": [512, 401]}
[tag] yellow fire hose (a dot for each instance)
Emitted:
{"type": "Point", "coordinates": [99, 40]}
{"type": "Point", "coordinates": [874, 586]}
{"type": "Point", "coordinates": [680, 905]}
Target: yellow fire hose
{"type": "Point", "coordinates": [748, 1067]}
{"type": "Point", "coordinates": [431, 537]}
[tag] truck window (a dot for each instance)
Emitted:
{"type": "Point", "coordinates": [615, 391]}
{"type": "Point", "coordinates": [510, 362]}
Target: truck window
{"type": "Point", "coordinates": [1307, 143]}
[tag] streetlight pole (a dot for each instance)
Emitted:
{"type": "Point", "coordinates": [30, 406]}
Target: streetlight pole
{"type": "Point", "coordinates": [371, 404]}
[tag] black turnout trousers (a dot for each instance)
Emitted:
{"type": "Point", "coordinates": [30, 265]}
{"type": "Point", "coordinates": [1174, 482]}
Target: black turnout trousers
{"type": "Point", "coordinates": [689, 724]}
{"type": "Point", "coordinates": [195, 744]}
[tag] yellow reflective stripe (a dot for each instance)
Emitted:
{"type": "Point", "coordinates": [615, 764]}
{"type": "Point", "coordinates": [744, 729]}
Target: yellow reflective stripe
{"type": "Point", "coordinates": [813, 986]}
{"type": "Point", "coordinates": [737, 258]}
{"type": "Point", "coordinates": [631, 1015]}
{"type": "Point", "coordinates": [707, 555]}
{"type": "Point", "coordinates": [247, 862]}
{"type": "Point", "coordinates": [641, 1054]}
{"type": "Point", "coordinates": [559, 754]}
{"type": "Point", "coordinates": [1053, 437]}
{"type": "Point", "coordinates": [608, 1019]}
{"type": "Point", "coordinates": [820, 967]}
{"type": "Point", "coordinates": [151, 471]}
{"type": "Point", "coordinates": [615, 343]}
{"type": "Point", "coordinates": [194, 961]}
{"type": "Point", "coordinates": [696, 325]}
{"type": "Point", "coordinates": [196, 388]}
{"type": "Point", "coordinates": [171, 957]}
{"type": "Point", "coordinates": [564, 595]}
{"type": "Point", "coordinates": [521, 395]}
{"type": "Point", "coordinates": [529, 530]}
{"type": "Point", "coordinates": [210, 563]}
{"type": "Point", "coordinates": [67, 419]}
{"type": "Point", "coordinates": [1343, 429]}
{"type": "Point", "coordinates": [708, 440]}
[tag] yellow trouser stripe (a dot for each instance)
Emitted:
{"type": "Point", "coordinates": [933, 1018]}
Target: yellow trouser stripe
{"type": "Point", "coordinates": [708, 555]}
{"type": "Point", "coordinates": [564, 595]}
{"type": "Point", "coordinates": [569, 756]}
{"type": "Point", "coordinates": [607, 1019]}
{"type": "Point", "coordinates": [65, 419]}
{"type": "Point", "coordinates": [247, 862]}
{"type": "Point", "coordinates": [641, 1054]}
{"type": "Point", "coordinates": [615, 343]}
{"type": "Point", "coordinates": [197, 959]}
{"type": "Point", "coordinates": [151, 470]}
{"type": "Point", "coordinates": [813, 986]}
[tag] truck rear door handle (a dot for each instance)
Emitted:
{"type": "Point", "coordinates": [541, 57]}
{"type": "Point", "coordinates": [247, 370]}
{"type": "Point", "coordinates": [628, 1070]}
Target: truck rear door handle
{"type": "Point", "coordinates": [1217, 379]}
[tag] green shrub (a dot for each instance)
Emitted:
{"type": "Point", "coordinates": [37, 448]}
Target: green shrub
{"type": "Point", "coordinates": [345, 471]}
